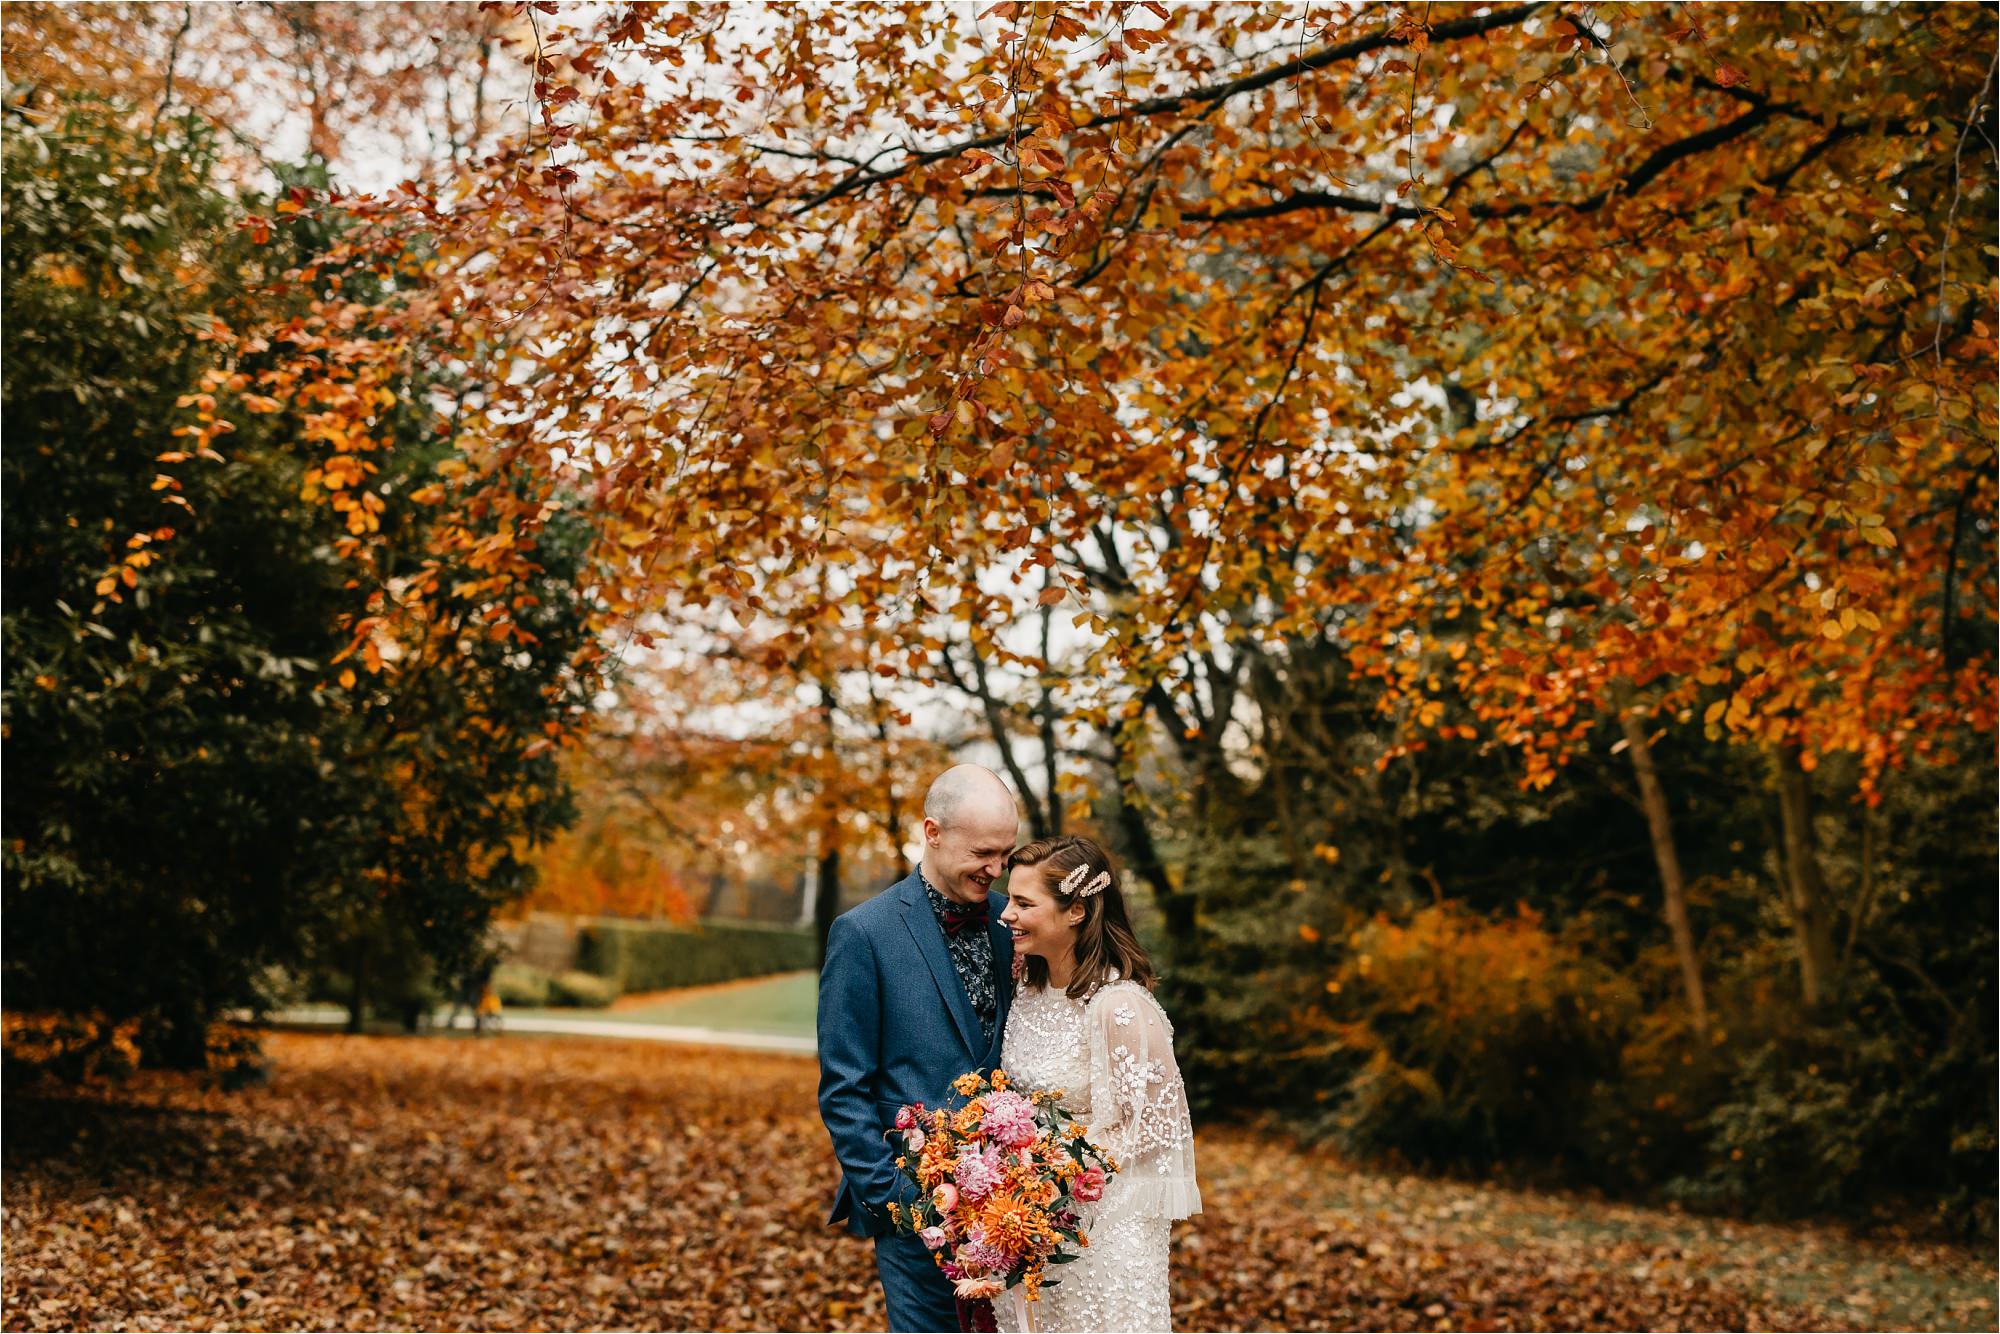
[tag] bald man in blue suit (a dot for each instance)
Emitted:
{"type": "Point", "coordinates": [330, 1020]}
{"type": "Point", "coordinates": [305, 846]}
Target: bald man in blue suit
{"type": "Point", "coordinates": [914, 993]}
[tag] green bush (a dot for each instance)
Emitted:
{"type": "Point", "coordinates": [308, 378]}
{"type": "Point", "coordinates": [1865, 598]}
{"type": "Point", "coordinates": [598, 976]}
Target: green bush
{"type": "Point", "coordinates": [522, 985]}
{"type": "Point", "coordinates": [582, 989]}
{"type": "Point", "coordinates": [643, 956]}
{"type": "Point", "coordinates": [1477, 1039]}
{"type": "Point", "coordinates": [1854, 1112]}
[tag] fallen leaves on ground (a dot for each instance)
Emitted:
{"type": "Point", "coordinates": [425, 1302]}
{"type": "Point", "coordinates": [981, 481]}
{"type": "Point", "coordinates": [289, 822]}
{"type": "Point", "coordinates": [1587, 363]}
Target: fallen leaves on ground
{"type": "Point", "coordinates": [523, 1183]}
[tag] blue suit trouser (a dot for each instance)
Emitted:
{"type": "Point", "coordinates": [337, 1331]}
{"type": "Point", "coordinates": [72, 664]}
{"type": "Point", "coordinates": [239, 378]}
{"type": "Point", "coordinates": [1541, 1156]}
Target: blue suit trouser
{"type": "Point", "coordinates": [919, 1296]}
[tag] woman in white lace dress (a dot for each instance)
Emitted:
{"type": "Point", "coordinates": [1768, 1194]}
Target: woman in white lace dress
{"type": "Point", "coordinates": [1084, 1021]}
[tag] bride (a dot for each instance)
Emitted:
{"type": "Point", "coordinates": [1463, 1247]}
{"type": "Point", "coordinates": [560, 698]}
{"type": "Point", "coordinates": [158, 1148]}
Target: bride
{"type": "Point", "coordinates": [1084, 1021]}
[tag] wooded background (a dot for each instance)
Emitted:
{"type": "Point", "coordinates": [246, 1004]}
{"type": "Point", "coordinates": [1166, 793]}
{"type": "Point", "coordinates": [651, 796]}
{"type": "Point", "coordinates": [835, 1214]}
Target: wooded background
{"type": "Point", "coordinates": [1489, 510]}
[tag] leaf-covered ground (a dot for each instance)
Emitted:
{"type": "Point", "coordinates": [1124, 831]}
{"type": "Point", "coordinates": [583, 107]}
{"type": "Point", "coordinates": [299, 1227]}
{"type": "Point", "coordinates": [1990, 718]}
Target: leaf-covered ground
{"type": "Point", "coordinates": [521, 1183]}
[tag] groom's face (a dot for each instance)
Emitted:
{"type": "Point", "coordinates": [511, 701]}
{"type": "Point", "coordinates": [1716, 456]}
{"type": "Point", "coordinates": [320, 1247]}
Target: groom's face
{"type": "Point", "coordinates": [970, 852]}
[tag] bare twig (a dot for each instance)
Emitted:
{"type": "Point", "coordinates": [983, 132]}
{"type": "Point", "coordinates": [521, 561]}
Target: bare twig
{"type": "Point", "coordinates": [1957, 187]}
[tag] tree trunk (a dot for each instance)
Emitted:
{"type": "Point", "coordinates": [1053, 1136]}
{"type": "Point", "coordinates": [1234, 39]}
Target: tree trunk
{"type": "Point", "coordinates": [711, 904]}
{"type": "Point", "coordinates": [1048, 722]}
{"type": "Point", "coordinates": [1653, 800]}
{"type": "Point", "coordinates": [826, 894]}
{"type": "Point", "coordinates": [892, 805]}
{"type": "Point", "coordinates": [1805, 882]}
{"type": "Point", "coordinates": [357, 997]}
{"type": "Point", "coordinates": [1142, 861]}
{"type": "Point", "coordinates": [1866, 900]}
{"type": "Point", "coordinates": [175, 1037]}
{"type": "Point", "coordinates": [1277, 744]}
{"type": "Point", "coordinates": [997, 725]}
{"type": "Point", "coordinates": [826, 899]}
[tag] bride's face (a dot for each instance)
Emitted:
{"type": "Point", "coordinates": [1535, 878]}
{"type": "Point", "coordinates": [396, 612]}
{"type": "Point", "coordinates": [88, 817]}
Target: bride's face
{"type": "Point", "coordinates": [1040, 927]}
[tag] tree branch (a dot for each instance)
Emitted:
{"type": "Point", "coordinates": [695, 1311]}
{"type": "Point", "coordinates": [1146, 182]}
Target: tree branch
{"type": "Point", "coordinates": [1339, 53]}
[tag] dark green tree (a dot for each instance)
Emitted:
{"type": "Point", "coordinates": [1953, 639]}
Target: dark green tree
{"type": "Point", "coordinates": [193, 794]}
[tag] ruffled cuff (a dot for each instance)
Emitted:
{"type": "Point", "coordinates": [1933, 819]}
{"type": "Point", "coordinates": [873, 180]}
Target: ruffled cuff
{"type": "Point", "coordinates": [1169, 1197]}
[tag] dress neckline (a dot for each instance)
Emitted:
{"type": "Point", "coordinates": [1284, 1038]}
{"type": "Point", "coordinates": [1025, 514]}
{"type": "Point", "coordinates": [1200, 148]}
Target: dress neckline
{"type": "Point", "coordinates": [1111, 975]}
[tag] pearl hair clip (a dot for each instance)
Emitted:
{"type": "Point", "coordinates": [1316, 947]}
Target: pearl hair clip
{"type": "Point", "coordinates": [1071, 882]}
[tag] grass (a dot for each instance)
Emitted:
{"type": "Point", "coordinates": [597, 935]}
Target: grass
{"type": "Point", "coordinates": [785, 1005]}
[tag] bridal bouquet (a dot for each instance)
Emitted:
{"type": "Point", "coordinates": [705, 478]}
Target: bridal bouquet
{"type": "Point", "coordinates": [999, 1181]}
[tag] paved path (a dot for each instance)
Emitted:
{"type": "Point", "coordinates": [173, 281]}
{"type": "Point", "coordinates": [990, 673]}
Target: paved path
{"type": "Point", "coordinates": [329, 1015]}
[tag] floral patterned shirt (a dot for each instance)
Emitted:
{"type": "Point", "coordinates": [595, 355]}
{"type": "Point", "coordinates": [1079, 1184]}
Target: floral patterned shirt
{"type": "Point", "coordinates": [972, 956]}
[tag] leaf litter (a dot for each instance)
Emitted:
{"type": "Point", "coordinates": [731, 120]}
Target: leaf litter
{"type": "Point", "coordinates": [535, 1183]}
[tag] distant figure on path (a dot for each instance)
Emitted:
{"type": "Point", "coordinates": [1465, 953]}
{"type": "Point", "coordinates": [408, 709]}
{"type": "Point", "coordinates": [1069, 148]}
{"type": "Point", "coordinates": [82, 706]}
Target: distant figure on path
{"type": "Point", "coordinates": [475, 994]}
{"type": "Point", "coordinates": [914, 993]}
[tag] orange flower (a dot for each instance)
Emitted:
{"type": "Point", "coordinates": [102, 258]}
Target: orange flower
{"type": "Point", "coordinates": [968, 1084]}
{"type": "Point", "coordinates": [1010, 1224]}
{"type": "Point", "coordinates": [999, 1081]}
{"type": "Point", "coordinates": [935, 1162]}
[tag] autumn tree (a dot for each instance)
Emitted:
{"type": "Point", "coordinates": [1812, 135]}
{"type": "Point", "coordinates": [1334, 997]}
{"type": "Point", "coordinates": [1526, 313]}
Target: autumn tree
{"type": "Point", "coordinates": [1351, 321]}
{"type": "Point", "coordinates": [348, 83]}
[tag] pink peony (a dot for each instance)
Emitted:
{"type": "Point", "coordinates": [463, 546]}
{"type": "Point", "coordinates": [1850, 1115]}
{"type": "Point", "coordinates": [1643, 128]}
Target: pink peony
{"type": "Point", "coordinates": [982, 1257]}
{"type": "Point", "coordinates": [914, 1137]}
{"type": "Point", "coordinates": [945, 1197]}
{"type": "Point", "coordinates": [934, 1237]}
{"type": "Point", "coordinates": [977, 1173]}
{"type": "Point", "coordinates": [1089, 1184]}
{"type": "Point", "coordinates": [1010, 1119]}
{"type": "Point", "coordinates": [978, 1289]}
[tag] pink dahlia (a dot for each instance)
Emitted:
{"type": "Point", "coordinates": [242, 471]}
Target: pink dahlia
{"type": "Point", "coordinates": [1010, 1119]}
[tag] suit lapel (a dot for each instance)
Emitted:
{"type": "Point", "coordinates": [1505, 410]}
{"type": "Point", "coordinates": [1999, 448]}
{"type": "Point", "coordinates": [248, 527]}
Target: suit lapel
{"type": "Point", "coordinates": [924, 929]}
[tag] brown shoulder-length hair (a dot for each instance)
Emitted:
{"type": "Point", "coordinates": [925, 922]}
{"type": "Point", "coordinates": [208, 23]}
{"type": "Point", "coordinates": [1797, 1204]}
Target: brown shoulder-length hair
{"type": "Point", "coordinates": [1104, 939]}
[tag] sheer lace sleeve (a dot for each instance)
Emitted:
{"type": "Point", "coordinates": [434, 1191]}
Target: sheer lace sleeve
{"type": "Point", "coordinates": [1138, 1104]}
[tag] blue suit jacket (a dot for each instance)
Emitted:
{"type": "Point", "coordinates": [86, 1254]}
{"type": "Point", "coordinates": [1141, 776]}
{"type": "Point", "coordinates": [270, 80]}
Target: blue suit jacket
{"type": "Point", "coordinates": [895, 1027]}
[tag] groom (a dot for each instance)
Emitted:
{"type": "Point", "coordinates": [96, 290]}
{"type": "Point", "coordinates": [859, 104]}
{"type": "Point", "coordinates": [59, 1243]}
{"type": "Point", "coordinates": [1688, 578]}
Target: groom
{"type": "Point", "coordinates": [913, 994]}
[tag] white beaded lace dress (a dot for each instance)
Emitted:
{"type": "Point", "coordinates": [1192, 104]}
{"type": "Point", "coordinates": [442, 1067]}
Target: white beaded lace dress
{"type": "Point", "coordinates": [1112, 1054]}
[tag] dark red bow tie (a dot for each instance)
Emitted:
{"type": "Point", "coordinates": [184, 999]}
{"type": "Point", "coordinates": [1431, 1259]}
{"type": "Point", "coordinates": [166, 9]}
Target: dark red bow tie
{"type": "Point", "coordinates": [957, 916]}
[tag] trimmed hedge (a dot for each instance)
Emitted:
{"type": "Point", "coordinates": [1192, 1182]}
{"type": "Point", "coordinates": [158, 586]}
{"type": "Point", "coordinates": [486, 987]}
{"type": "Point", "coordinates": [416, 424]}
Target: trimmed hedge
{"type": "Point", "coordinates": [582, 989]}
{"type": "Point", "coordinates": [642, 956]}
